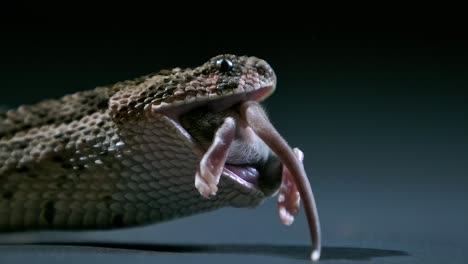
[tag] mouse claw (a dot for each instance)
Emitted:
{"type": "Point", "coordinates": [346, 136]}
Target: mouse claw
{"type": "Point", "coordinates": [212, 163]}
{"type": "Point", "coordinates": [289, 199]}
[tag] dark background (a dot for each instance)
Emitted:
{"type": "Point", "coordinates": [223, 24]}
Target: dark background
{"type": "Point", "coordinates": [380, 114]}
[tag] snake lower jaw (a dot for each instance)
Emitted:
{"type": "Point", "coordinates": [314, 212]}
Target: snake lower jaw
{"type": "Point", "coordinates": [264, 178]}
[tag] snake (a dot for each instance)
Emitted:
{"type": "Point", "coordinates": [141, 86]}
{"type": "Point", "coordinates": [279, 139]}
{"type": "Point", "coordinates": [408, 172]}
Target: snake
{"type": "Point", "coordinates": [170, 144]}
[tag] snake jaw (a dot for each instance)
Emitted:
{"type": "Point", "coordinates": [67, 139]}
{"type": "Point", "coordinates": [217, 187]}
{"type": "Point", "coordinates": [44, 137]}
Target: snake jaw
{"type": "Point", "coordinates": [213, 103]}
{"type": "Point", "coordinates": [236, 166]}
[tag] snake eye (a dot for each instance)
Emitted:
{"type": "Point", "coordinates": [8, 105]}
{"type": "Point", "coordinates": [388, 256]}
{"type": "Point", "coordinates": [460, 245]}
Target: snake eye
{"type": "Point", "coordinates": [224, 65]}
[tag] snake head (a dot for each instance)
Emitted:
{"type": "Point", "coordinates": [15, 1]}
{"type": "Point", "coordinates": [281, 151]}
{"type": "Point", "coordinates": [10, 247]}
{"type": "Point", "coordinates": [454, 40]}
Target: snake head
{"type": "Point", "coordinates": [217, 84]}
{"type": "Point", "coordinates": [197, 100]}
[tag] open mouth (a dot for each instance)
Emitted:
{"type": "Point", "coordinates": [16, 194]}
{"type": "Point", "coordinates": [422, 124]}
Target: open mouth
{"type": "Point", "coordinates": [246, 174]}
{"type": "Point", "coordinates": [249, 173]}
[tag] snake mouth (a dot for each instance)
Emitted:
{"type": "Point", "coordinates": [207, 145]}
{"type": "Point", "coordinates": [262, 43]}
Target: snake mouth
{"type": "Point", "coordinates": [244, 174]}
{"type": "Point", "coordinates": [250, 162]}
{"type": "Point", "coordinates": [253, 174]}
{"type": "Point", "coordinates": [264, 177]}
{"type": "Point", "coordinates": [214, 103]}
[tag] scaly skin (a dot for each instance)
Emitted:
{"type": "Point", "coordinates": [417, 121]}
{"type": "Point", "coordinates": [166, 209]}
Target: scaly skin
{"type": "Point", "coordinates": [166, 145]}
{"type": "Point", "coordinates": [116, 156]}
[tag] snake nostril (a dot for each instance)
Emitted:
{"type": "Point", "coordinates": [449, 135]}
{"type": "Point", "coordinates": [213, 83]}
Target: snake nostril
{"type": "Point", "coordinates": [262, 70]}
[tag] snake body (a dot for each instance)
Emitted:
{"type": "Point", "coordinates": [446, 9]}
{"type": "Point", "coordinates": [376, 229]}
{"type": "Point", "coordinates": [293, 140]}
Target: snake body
{"type": "Point", "coordinates": [136, 152]}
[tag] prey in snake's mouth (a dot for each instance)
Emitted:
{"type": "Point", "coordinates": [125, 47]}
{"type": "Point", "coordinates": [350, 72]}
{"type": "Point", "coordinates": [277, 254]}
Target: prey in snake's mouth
{"type": "Point", "coordinates": [231, 147]}
{"type": "Point", "coordinates": [249, 161]}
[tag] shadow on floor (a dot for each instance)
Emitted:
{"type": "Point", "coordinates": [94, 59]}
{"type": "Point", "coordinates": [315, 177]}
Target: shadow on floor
{"type": "Point", "coordinates": [286, 251]}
